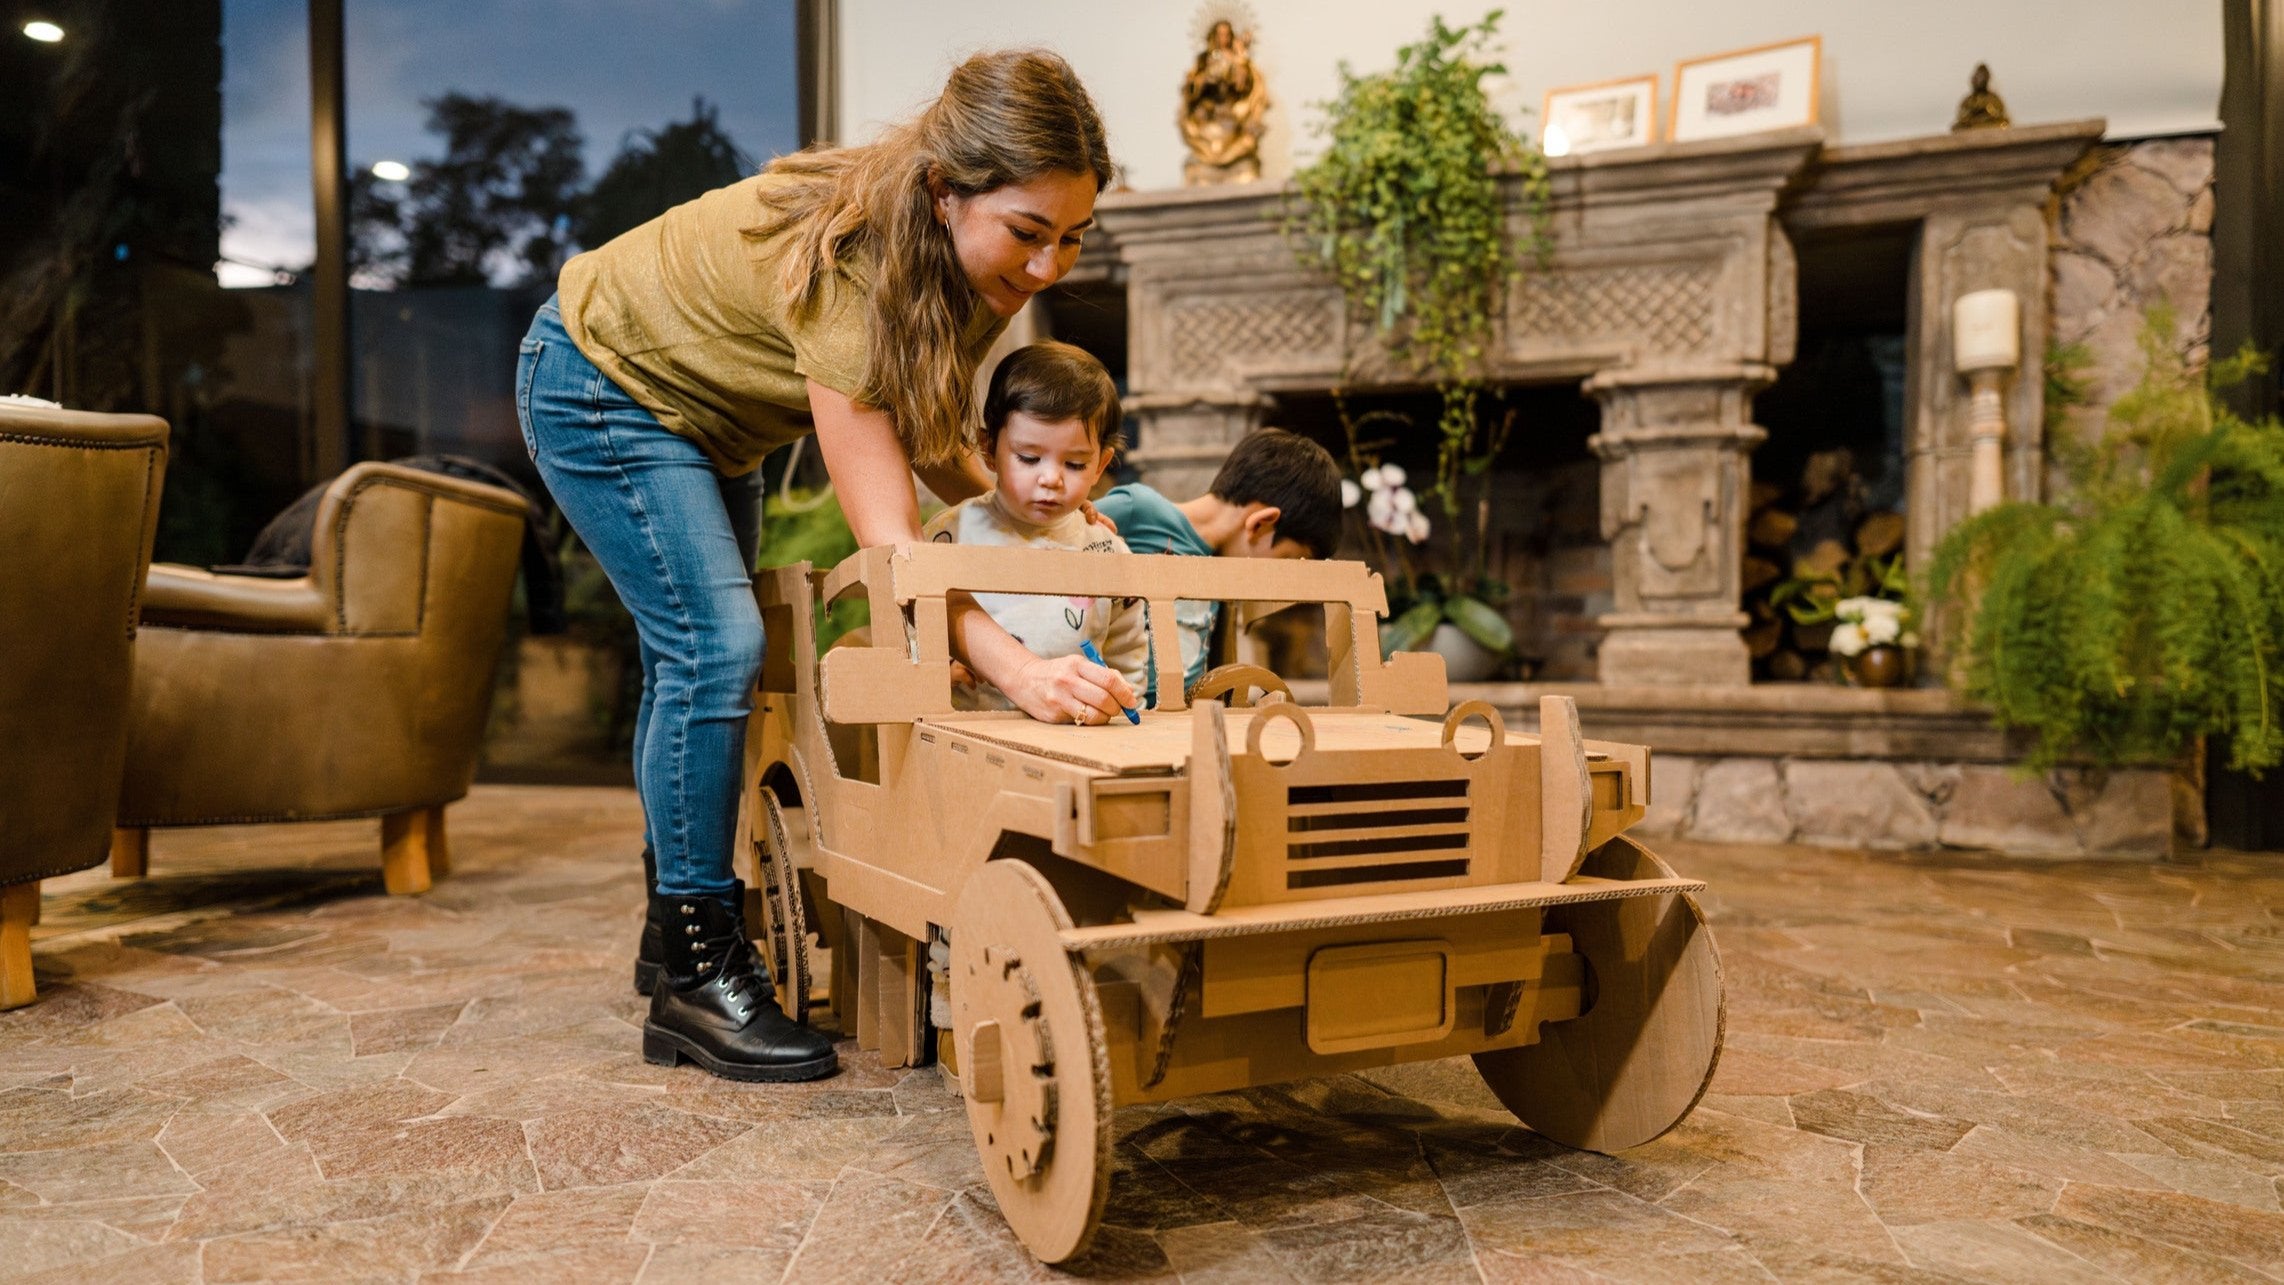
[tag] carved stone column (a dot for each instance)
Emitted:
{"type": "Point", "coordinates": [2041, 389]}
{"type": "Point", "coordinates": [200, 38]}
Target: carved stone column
{"type": "Point", "coordinates": [1184, 437]}
{"type": "Point", "coordinates": [1676, 449]}
{"type": "Point", "coordinates": [1979, 200]}
{"type": "Point", "coordinates": [1991, 244]}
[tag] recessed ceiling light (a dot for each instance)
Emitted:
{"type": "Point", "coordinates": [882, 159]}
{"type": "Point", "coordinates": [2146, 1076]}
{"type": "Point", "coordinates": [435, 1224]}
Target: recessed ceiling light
{"type": "Point", "coordinates": [47, 33]}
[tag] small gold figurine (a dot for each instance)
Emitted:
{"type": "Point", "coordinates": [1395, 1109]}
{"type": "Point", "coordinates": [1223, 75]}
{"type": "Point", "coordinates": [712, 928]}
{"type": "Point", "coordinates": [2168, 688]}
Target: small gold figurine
{"type": "Point", "coordinates": [1224, 103]}
{"type": "Point", "coordinates": [1981, 109]}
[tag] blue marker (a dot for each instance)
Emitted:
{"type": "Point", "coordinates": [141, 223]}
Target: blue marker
{"type": "Point", "coordinates": [1086, 649]}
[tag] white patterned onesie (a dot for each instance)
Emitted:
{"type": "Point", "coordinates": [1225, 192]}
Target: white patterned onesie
{"type": "Point", "coordinates": [1050, 626]}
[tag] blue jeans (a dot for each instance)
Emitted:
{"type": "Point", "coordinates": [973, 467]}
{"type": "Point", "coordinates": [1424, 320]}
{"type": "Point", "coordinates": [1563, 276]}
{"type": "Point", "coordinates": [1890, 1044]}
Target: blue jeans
{"type": "Point", "coordinates": [677, 540]}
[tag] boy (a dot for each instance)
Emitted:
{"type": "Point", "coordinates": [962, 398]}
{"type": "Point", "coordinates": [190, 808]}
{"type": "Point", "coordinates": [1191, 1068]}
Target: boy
{"type": "Point", "coordinates": [1050, 427]}
{"type": "Point", "coordinates": [1276, 496]}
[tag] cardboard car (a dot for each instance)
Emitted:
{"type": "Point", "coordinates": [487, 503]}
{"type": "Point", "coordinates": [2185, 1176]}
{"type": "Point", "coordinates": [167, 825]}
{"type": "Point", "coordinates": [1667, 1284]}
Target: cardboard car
{"type": "Point", "coordinates": [1218, 897]}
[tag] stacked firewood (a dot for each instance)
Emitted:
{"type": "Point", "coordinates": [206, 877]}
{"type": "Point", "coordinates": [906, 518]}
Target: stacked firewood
{"type": "Point", "coordinates": [1812, 529]}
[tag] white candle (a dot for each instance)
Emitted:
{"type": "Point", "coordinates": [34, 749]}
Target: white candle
{"type": "Point", "coordinates": [1986, 331]}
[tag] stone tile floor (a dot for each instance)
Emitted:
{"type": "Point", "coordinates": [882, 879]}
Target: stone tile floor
{"type": "Point", "coordinates": [254, 1066]}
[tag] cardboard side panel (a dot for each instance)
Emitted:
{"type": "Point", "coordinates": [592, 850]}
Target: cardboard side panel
{"type": "Point", "coordinates": [1566, 802]}
{"type": "Point", "coordinates": [1213, 1054]}
{"type": "Point", "coordinates": [1212, 810]}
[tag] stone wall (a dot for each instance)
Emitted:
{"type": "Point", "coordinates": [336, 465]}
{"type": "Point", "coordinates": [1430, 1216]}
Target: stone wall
{"type": "Point", "coordinates": [1910, 805]}
{"type": "Point", "coordinates": [2134, 228]}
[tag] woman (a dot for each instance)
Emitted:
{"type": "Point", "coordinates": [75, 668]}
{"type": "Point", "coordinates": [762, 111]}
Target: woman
{"type": "Point", "coordinates": [850, 293]}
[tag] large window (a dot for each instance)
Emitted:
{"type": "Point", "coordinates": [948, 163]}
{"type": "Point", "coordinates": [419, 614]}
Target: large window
{"type": "Point", "coordinates": [157, 234]}
{"type": "Point", "coordinates": [489, 141]}
{"type": "Point", "coordinates": [112, 139]}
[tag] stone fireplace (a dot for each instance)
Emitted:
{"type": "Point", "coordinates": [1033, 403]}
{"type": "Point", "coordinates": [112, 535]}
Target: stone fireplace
{"type": "Point", "coordinates": [1671, 299]}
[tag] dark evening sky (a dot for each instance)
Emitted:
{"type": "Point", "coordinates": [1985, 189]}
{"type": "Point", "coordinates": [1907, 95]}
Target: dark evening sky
{"type": "Point", "coordinates": [618, 64]}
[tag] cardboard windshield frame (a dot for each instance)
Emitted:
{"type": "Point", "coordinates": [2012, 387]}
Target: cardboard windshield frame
{"type": "Point", "coordinates": [890, 683]}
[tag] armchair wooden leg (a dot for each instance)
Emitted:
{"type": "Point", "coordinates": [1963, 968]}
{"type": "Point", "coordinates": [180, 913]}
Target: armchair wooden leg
{"type": "Point", "coordinates": [130, 852]}
{"type": "Point", "coordinates": [439, 848]}
{"type": "Point", "coordinates": [405, 864]}
{"type": "Point", "coordinates": [19, 907]}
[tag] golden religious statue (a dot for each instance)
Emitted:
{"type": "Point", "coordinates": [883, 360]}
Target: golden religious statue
{"type": "Point", "coordinates": [1223, 106]}
{"type": "Point", "coordinates": [1981, 109]}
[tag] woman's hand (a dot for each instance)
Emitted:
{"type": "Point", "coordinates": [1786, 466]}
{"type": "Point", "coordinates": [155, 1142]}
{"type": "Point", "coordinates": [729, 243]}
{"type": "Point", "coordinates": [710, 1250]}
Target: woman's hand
{"type": "Point", "coordinates": [1069, 689]}
{"type": "Point", "coordinates": [873, 477]}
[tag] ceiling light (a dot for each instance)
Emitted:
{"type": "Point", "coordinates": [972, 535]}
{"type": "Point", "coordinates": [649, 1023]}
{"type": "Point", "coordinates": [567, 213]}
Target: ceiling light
{"type": "Point", "coordinates": [391, 171]}
{"type": "Point", "coordinates": [47, 33]}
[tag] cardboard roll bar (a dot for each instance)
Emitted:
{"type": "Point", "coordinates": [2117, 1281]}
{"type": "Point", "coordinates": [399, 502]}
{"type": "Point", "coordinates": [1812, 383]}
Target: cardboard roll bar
{"type": "Point", "coordinates": [889, 682]}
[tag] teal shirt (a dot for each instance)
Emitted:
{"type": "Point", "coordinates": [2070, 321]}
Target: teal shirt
{"type": "Point", "coordinates": [1150, 523]}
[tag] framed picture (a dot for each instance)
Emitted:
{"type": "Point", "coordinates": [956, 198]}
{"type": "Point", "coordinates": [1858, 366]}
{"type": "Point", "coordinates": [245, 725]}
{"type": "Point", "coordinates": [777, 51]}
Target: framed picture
{"type": "Point", "coordinates": [1745, 92]}
{"type": "Point", "coordinates": [1598, 117]}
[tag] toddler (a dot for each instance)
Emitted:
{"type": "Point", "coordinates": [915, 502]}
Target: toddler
{"type": "Point", "coordinates": [1050, 427]}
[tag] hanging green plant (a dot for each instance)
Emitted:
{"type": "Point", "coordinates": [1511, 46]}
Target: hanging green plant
{"type": "Point", "coordinates": [2145, 609]}
{"type": "Point", "coordinates": [1404, 210]}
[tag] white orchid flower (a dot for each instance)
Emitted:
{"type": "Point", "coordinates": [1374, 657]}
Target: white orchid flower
{"type": "Point", "coordinates": [1406, 502]}
{"type": "Point", "coordinates": [1391, 475]}
{"type": "Point", "coordinates": [1881, 627]}
{"type": "Point", "coordinates": [1380, 510]}
{"type": "Point", "coordinates": [1848, 639]}
{"type": "Point", "coordinates": [1415, 526]}
{"type": "Point", "coordinates": [1376, 478]}
{"type": "Point", "coordinates": [1350, 493]}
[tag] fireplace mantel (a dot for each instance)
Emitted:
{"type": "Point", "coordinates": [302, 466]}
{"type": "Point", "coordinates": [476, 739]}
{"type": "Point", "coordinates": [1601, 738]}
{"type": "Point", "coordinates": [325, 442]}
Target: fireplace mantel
{"type": "Point", "coordinates": [1670, 292]}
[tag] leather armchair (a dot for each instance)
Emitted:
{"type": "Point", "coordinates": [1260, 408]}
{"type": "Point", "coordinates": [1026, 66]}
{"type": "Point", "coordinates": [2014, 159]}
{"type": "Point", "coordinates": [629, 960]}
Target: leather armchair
{"type": "Point", "coordinates": [79, 502]}
{"type": "Point", "coordinates": [358, 689]}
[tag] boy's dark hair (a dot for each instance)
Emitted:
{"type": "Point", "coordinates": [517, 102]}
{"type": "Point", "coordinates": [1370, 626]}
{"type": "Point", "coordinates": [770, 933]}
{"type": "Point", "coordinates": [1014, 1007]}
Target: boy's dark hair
{"type": "Point", "coordinates": [1294, 475]}
{"type": "Point", "coordinates": [1051, 381]}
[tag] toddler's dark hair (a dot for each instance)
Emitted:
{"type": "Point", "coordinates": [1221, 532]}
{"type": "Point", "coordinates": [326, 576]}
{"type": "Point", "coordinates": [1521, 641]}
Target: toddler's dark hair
{"type": "Point", "coordinates": [1053, 381]}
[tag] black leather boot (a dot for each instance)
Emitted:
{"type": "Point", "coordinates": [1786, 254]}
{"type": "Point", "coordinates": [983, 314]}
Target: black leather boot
{"type": "Point", "coordinates": [714, 1004]}
{"type": "Point", "coordinates": [651, 954]}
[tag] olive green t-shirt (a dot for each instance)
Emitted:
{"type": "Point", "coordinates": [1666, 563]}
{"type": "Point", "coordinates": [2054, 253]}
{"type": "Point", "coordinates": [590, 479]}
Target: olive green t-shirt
{"type": "Point", "coordinates": [685, 313]}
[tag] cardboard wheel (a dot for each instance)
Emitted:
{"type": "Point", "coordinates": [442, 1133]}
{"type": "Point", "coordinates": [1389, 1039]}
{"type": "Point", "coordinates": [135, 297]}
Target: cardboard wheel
{"type": "Point", "coordinates": [1034, 1062]}
{"type": "Point", "coordinates": [784, 935]}
{"type": "Point", "coordinates": [1638, 1059]}
{"type": "Point", "coordinates": [1238, 681]}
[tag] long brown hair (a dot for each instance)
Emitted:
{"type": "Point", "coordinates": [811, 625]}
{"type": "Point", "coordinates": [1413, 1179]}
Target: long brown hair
{"type": "Point", "coordinates": [1003, 118]}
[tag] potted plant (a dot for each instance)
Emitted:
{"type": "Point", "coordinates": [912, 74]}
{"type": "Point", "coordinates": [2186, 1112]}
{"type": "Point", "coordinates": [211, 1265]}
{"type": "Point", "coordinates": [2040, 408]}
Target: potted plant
{"type": "Point", "coordinates": [1866, 601]}
{"type": "Point", "coordinates": [1456, 613]}
{"type": "Point", "coordinates": [2143, 609]}
{"type": "Point", "coordinates": [1405, 211]}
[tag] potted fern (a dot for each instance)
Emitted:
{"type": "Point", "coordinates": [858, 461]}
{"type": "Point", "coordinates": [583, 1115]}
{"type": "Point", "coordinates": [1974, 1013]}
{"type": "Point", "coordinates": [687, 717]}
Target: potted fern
{"type": "Point", "coordinates": [1406, 210]}
{"type": "Point", "coordinates": [2144, 609]}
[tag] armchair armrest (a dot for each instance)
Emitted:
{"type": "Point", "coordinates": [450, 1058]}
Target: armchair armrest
{"type": "Point", "coordinates": [186, 597]}
{"type": "Point", "coordinates": [386, 512]}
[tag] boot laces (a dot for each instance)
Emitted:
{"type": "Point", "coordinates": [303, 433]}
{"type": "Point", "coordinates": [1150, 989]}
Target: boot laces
{"type": "Point", "coordinates": [742, 985]}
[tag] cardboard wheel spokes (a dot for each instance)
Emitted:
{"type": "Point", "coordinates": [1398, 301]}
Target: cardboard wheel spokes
{"type": "Point", "coordinates": [785, 917]}
{"type": "Point", "coordinates": [1238, 682]}
{"type": "Point", "coordinates": [1033, 1058]}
